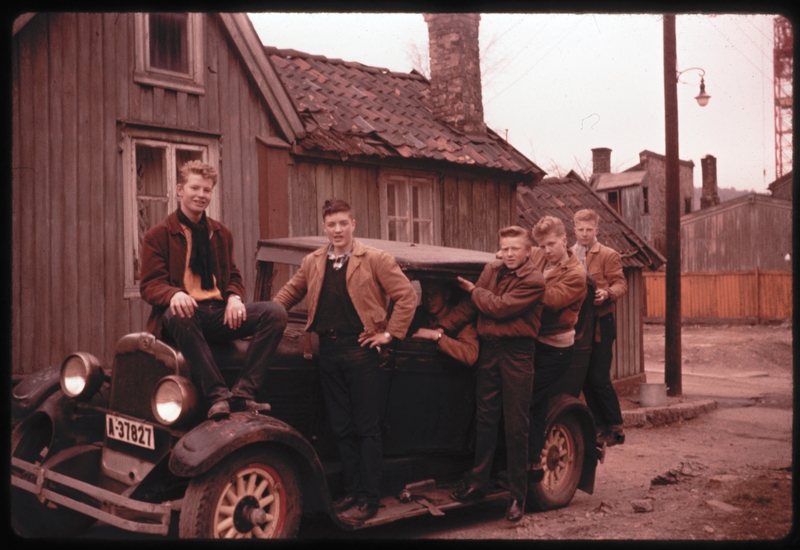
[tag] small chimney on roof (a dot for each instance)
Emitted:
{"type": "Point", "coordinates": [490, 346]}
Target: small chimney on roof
{"type": "Point", "coordinates": [456, 70]}
{"type": "Point", "coordinates": [710, 195]}
{"type": "Point", "coordinates": [601, 160]}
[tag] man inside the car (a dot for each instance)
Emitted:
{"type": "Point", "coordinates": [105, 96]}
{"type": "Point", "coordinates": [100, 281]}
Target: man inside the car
{"type": "Point", "coordinates": [507, 302]}
{"type": "Point", "coordinates": [189, 277]}
{"type": "Point", "coordinates": [565, 291]}
{"type": "Point", "coordinates": [436, 304]}
{"type": "Point", "coordinates": [348, 285]}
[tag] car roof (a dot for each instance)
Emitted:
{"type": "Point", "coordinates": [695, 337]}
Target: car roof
{"type": "Point", "coordinates": [411, 257]}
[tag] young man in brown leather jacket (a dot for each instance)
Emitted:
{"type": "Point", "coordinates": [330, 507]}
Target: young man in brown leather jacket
{"type": "Point", "coordinates": [565, 290]}
{"type": "Point", "coordinates": [507, 302]}
{"type": "Point", "coordinates": [605, 266]}
{"type": "Point", "coordinates": [348, 284]}
{"type": "Point", "coordinates": [195, 288]}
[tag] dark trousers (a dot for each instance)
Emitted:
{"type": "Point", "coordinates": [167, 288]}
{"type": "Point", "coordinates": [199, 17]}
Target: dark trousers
{"type": "Point", "coordinates": [350, 385]}
{"type": "Point", "coordinates": [551, 362]}
{"type": "Point", "coordinates": [504, 381]}
{"type": "Point", "coordinates": [265, 322]}
{"type": "Point", "coordinates": [597, 389]}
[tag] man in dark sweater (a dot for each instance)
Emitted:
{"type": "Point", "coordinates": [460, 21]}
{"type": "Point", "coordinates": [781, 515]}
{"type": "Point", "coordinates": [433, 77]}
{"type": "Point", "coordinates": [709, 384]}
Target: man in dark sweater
{"type": "Point", "coordinates": [195, 288]}
{"type": "Point", "coordinates": [347, 285]}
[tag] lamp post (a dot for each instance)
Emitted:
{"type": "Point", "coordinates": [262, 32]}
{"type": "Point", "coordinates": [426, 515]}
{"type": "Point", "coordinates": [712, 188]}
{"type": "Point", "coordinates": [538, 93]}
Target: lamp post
{"type": "Point", "coordinates": [672, 320]}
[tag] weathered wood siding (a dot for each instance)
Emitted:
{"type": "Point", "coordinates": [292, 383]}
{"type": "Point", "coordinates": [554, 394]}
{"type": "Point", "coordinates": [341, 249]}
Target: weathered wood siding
{"type": "Point", "coordinates": [72, 87]}
{"type": "Point", "coordinates": [633, 211]}
{"type": "Point", "coordinates": [629, 345]}
{"type": "Point", "coordinates": [473, 209]}
{"type": "Point", "coordinates": [747, 296]}
{"type": "Point", "coordinates": [754, 231]}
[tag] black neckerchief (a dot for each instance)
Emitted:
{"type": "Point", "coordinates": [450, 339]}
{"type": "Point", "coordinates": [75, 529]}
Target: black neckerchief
{"type": "Point", "coordinates": [200, 260]}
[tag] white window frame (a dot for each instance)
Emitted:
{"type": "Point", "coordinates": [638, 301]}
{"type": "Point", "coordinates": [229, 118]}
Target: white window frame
{"type": "Point", "coordinates": [192, 82]}
{"type": "Point", "coordinates": [430, 194]}
{"type": "Point", "coordinates": [171, 141]}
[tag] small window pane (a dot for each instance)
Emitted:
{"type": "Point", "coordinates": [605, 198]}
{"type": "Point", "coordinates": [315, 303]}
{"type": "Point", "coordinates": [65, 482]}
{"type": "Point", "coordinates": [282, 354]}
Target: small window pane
{"type": "Point", "coordinates": [169, 41]}
{"type": "Point", "coordinates": [152, 192]}
{"type": "Point", "coordinates": [391, 202]}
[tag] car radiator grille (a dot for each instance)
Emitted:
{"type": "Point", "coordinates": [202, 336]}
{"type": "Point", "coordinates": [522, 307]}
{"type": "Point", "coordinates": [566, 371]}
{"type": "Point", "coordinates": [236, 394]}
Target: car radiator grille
{"type": "Point", "coordinates": [135, 376]}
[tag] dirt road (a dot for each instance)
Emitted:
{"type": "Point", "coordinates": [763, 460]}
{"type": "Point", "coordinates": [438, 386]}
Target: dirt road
{"type": "Point", "coordinates": [725, 475]}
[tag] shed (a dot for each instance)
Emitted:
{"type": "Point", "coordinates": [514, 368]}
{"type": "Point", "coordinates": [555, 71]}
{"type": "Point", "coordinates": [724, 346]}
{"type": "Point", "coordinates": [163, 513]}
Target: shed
{"type": "Point", "coordinates": [561, 198]}
{"type": "Point", "coordinates": [750, 232]}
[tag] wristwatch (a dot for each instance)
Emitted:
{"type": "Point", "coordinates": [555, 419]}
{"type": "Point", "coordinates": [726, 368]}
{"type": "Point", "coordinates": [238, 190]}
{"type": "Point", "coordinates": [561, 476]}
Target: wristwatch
{"type": "Point", "coordinates": [388, 335]}
{"type": "Point", "coordinates": [236, 296]}
{"type": "Point", "coordinates": [440, 336]}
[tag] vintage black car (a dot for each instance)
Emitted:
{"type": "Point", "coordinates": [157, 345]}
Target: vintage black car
{"type": "Point", "coordinates": [129, 444]}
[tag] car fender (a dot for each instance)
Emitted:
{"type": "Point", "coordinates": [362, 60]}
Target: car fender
{"type": "Point", "coordinates": [205, 445]}
{"type": "Point", "coordinates": [32, 390]}
{"type": "Point", "coordinates": [566, 404]}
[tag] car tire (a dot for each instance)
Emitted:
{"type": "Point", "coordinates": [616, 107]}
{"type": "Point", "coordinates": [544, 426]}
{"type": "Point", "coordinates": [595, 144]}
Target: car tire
{"type": "Point", "coordinates": [29, 516]}
{"type": "Point", "coordinates": [562, 458]}
{"type": "Point", "coordinates": [222, 502]}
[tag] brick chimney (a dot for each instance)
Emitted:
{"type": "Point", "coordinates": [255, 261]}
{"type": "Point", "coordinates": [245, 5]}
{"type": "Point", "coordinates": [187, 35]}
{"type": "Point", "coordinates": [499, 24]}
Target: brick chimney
{"type": "Point", "coordinates": [456, 70]}
{"type": "Point", "coordinates": [710, 195]}
{"type": "Point", "coordinates": [601, 160]}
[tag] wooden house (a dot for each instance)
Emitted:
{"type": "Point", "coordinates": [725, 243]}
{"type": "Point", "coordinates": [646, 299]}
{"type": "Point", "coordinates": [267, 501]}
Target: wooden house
{"type": "Point", "coordinates": [638, 193]}
{"type": "Point", "coordinates": [107, 106]}
{"type": "Point", "coordinates": [413, 160]}
{"type": "Point", "coordinates": [781, 188]}
{"type": "Point", "coordinates": [562, 197]}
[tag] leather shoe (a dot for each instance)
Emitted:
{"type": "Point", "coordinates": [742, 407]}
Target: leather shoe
{"type": "Point", "coordinates": [516, 509]}
{"type": "Point", "coordinates": [219, 410]}
{"type": "Point", "coordinates": [467, 493]}
{"type": "Point", "coordinates": [360, 512]}
{"type": "Point", "coordinates": [344, 503]}
{"type": "Point", "coordinates": [256, 407]}
{"type": "Point", "coordinates": [612, 438]}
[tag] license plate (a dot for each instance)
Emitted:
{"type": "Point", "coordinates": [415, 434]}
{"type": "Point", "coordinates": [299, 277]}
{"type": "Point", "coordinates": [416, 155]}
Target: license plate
{"type": "Point", "coordinates": [130, 431]}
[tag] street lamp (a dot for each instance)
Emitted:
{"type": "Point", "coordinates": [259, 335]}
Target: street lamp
{"type": "Point", "coordinates": [702, 98]}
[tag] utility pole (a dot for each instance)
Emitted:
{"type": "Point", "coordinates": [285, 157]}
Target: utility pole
{"type": "Point", "coordinates": [672, 327]}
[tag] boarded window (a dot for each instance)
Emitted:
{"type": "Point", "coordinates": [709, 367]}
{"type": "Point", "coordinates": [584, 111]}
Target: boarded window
{"type": "Point", "coordinates": [169, 51]}
{"type": "Point", "coordinates": [169, 41]}
{"type": "Point", "coordinates": [152, 171]}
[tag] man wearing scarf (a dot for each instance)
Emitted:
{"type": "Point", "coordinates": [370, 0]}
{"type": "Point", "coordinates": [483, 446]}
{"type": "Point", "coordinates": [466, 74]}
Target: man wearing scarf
{"type": "Point", "coordinates": [190, 279]}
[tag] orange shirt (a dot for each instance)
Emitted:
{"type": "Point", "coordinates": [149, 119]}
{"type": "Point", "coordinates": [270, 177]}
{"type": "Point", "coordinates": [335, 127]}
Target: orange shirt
{"type": "Point", "coordinates": [191, 280]}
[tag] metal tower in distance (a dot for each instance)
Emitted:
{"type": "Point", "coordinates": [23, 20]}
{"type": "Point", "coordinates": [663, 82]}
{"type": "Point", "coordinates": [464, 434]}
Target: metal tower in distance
{"type": "Point", "coordinates": [783, 66]}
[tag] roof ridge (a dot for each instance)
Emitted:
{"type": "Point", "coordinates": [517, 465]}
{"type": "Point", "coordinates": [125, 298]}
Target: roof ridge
{"type": "Point", "coordinates": [289, 52]}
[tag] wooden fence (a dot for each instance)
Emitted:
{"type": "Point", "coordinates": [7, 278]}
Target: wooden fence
{"type": "Point", "coordinates": [732, 296]}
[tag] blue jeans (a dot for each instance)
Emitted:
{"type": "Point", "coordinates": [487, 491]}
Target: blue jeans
{"type": "Point", "coordinates": [350, 385]}
{"type": "Point", "coordinates": [265, 322]}
{"type": "Point", "coordinates": [550, 363]}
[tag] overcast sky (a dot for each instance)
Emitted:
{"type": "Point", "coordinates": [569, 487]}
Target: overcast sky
{"type": "Point", "coordinates": [563, 84]}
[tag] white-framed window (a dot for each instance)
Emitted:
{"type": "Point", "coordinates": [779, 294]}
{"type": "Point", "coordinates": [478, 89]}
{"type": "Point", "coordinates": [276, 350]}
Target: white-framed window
{"type": "Point", "coordinates": [169, 51]}
{"type": "Point", "coordinates": [409, 208]}
{"type": "Point", "coordinates": [151, 165]}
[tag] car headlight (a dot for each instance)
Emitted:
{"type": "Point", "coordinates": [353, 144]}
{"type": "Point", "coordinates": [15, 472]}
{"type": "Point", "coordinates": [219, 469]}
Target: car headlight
{"type": "Point", "coordinates": [81, 375]}
{"type": "Point", "coordinates": [174, 400]}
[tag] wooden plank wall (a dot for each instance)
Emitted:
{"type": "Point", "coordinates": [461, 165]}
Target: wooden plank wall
{"type": "Point", "coordinates": [72, 85]}
{"type": "Point", "coordinates": [748, 296]}
{"type": "Point", "coordinates": [473, 209]}
{"type": "Point", "coordinates": [629, 345]}
{"type": "Point", "coordinates": [312, 183]}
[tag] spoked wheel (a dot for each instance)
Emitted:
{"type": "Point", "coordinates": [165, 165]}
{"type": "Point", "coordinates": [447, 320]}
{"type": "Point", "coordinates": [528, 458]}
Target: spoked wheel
{"type": "Point", "coordinates": [562, 458]}
{"type": "Point", "coordinates": [253, 494]}
{"type": "Point", "coordinates": [31, 517]}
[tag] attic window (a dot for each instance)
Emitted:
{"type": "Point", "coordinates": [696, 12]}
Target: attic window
{"type": "Point", "coordinates": [613, 201]}
{"type": "Point", "coordinates": [169, 51]}
{"type": "Point", "coordinates": [646, 201]}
